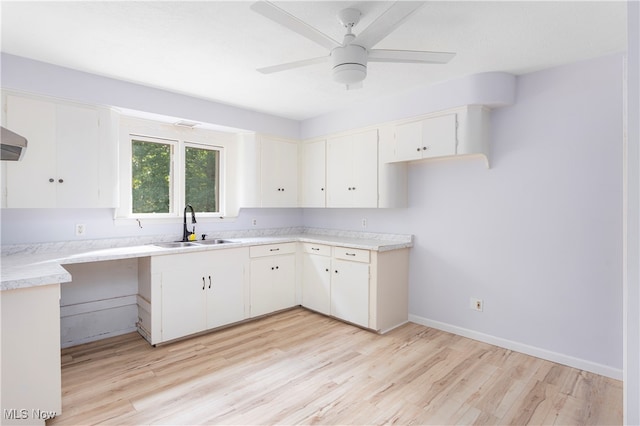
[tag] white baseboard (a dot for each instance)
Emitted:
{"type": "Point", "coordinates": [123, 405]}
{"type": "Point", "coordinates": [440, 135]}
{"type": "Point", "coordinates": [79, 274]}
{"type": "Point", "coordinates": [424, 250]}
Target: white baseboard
{"type": "Point", "coordinates": [582, 364]}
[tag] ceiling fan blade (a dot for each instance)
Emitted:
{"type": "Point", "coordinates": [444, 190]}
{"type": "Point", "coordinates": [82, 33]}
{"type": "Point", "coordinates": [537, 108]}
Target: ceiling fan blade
{"type": "Point", "coordinates": [292, 65]}
{"type": "Point", "coordinates": [410, 56]}
{"type": "Point", "coordinates": [282, 17]}
{"type": "Point", "coordinates": [387, 22]}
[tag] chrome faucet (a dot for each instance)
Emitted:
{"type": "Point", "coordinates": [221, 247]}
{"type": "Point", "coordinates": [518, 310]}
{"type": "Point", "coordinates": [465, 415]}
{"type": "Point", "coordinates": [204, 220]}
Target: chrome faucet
{"type": "Point", "coordinates": [185, 233]}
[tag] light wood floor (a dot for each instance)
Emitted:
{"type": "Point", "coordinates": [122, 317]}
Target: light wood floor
{"type": "Point", "coordinates": [300, 367]}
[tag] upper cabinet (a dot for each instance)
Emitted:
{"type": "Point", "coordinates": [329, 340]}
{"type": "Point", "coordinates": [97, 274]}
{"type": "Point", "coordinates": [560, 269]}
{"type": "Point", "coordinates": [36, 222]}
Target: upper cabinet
{"type": "Point", "coordinates": [428, 138]}
{"type": "Point", "coordinates": [71, 157]}
{"type": "Point", "coordinates": [269, 175]}
{"type": "Point", "coordinates": [459, 131]}
{"type": "Point", "coordinates": [352, 170]}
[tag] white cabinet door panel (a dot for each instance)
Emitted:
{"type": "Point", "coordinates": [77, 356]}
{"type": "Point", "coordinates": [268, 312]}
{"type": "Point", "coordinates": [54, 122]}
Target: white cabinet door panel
{"type": "Point", "coordinates": [408, 141]}
{"type": "Point", "coordinates": [439, 136]}
{"type": "Point", "coordinates": [316, 283]}
{"type": "Point", "coordinates": [77, 139]}
{"type": "Point", "coordinates": [183, 303]}
{"type": "Point", "coordinates": [225, 292]}
{"type": "Point", "coordinates": [350, 291]}
{"type": "Point", "coordinates": [313, 173]}
{"type": "Point", "coordinates": [32, 181]}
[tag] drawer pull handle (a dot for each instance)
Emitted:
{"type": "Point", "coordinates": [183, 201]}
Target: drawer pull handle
{"type": "Point", "coordinates": [275, 249]}
{"type": "Point", "coordinates": [315, 249]}
{"type": "Point", "coordinates": [350, 254]}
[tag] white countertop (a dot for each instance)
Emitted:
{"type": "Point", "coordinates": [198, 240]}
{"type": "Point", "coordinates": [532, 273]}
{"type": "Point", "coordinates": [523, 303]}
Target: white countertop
{"type": "Point", "coordinates": [33, 265]}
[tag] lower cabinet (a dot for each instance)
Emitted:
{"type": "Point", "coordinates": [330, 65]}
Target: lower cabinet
{"type": "Point", "coordinates": [273, 278]}
{"type": "Point", "coordinates": [366, 288]}
{"type": "Point", "coordinates": [350, 288]}
{"type": "Point", "coordinates": [183, 294]}
{"type": "Point", "coordinates": [187, 293]}
{"type": "Point", "coordinates": [316, 277]}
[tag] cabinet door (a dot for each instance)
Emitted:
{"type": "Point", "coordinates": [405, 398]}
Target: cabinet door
{"type": "Point", "coordinates": [350, 291]}
{"type": "Point", "coordinates": [225, 287]}
{"type": "Point", "coordinates": [312, 173]}
{"type": "Point", "coordinates": [272, 284]}
{"type": "Point", "coordinates": [279, 173]}
{"type": "Point", "coordinates": [364, 189]}
{"type": "Point", "coordinates": [439, 136]}
{"type": "Point", "coordinates": [339, 171]}
{"type": "Point", "coordinates": [183, 302]}
{"type": "Point", "coordinates": [316, 281]}
{"type": "Point", "coordinates": [408, 144]}
{"type": "Point", "coordinates": [32, 181]}
{"type": "Point", "coordinates": [77, 149]}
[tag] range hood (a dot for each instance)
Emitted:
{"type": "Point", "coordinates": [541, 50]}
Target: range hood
{"type": "Point", "coordinates": [13, 146]}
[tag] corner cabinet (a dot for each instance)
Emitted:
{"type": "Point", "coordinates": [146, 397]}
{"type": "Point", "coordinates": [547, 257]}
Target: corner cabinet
{"type": "Point", "coordinates": [269, 176]}
{"type": "Point", "coordinates": [362, 287]}
{"type": "Point", "coordinates": [71, 156]}
{"type": "Point", "coordinates": [184, 294]}
{"type": "Point", "coordinates": [455, 132]}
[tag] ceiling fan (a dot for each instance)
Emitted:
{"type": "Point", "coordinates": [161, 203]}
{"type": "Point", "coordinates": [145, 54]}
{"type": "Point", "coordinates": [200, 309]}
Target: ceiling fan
{"type": "Point", "coordinates": [349, 58]}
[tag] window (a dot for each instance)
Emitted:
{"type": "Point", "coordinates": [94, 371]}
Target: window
{"type": "Point", "coordinates": [150, 177]}
{"type": "Point", "coordinates": [164, 167]}
{"type": "Point", "coordinates": [202, 178]}
{"type": "Point", "coordinates": [166, 175]}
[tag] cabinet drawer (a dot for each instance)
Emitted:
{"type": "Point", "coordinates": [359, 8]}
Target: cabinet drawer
{"type": "Point", "coordinates": [272, 249]}
{"type": "Point", "coordinates": [356, 255]}
{"type": "Point", "coordinates": [319, 249]}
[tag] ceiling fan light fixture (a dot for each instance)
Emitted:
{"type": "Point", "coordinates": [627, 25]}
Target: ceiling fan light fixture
{"type": "Point", "coordinates": [349, 64]}
{"type": "Point", "coordinates": [349, 73]}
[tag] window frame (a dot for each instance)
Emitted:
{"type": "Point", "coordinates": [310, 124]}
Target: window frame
{"type": "Point", "coordinates": [158, 132]}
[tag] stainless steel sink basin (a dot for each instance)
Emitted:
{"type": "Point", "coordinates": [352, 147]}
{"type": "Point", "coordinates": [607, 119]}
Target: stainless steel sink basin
{"type": "Point", "coordinates": [211, 242]}
{"type": "Point", "coordinates": [175, 244]}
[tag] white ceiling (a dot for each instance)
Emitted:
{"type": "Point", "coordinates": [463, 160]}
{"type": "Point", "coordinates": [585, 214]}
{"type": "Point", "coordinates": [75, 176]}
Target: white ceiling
{"type": "Point", "coordinates": [210, 49]}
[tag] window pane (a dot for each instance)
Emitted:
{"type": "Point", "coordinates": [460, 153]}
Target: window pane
{"type": "Point", "coordinates": [151, 177]}
{"type": "Point", "coordinates": [202, 168]}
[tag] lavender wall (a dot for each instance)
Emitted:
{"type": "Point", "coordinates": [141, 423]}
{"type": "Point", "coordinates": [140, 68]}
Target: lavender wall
{"type": "Point", "coordinates": [538, 237]}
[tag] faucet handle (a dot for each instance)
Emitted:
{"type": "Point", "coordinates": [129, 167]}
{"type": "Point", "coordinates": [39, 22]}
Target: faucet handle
{"type": "Point", "coordinates": [204, 236]}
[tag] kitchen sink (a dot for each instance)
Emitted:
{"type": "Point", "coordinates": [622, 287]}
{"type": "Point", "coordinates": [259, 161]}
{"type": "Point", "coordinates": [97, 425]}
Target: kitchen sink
{"type": "Point", "coordinates": [175, 244]}
{"type": "Point", "coordinates": [211, 242]}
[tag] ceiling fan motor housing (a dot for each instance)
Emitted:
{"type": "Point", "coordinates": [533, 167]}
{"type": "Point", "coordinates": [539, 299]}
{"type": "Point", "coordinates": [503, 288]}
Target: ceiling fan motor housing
{"type": "Point", "coordinates": [349, 64]}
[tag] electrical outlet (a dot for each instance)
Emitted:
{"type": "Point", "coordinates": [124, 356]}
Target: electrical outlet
{"type": "Point", "coordinates": [364, 222]}
{"type": "Point", "coordinates": [81, 229]}
{"type": "Point", "coordinates": [476, 304]}
{"type": "Point", "coordinates": [254, 222]}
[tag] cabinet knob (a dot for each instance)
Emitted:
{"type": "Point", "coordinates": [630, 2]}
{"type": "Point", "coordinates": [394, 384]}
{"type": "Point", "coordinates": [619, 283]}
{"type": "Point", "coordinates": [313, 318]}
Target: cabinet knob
{"type": "Point", "coordinates": [277, 267]}
{"type": "Point", "coordinates": [336, 271]}
{"type": "Point", "coordinates": [424, 148]}
{"type": "Point", "coordinates": [326, 270]}
{"type": "Point", "coordinates": [272, 268]}
{"type": "Point", "coordinates": [60, 180]}
{"type": "Point", "coordinates": [321, 189]}
{"type": "Point", "coordinates": [418, 149]}
{"type": "Point", "coordinates": [51, 180]}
